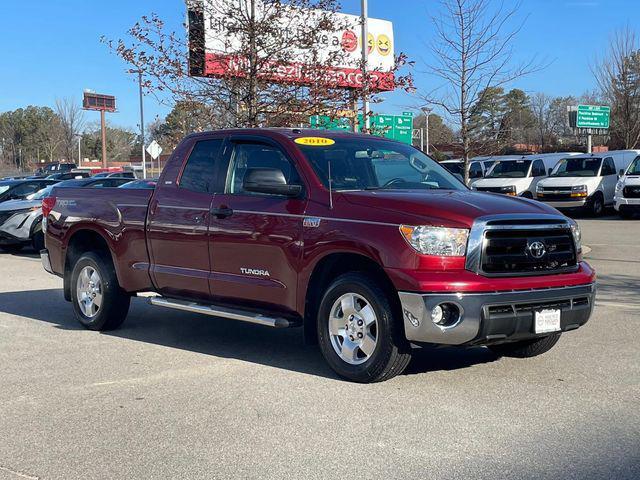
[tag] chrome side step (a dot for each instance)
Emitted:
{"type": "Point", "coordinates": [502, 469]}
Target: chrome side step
{"type": "Point", "coordinates": [215, 311]}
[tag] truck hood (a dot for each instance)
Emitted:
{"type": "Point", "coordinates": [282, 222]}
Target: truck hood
{"type": "Point", "coordinates": [631, 180]}
{"type": "Point", "coordinates": [501, 182]}
{"type": "Point", "coordinates": [11, 205]}
{"type": "Point", "coordinates": [567, 181]}
{"type": "Point", "coordinates": [445, 207]}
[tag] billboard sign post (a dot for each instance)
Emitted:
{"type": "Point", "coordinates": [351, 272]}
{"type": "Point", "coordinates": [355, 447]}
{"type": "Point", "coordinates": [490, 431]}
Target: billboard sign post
{"type": "Point", "coordinates": [102, 104]}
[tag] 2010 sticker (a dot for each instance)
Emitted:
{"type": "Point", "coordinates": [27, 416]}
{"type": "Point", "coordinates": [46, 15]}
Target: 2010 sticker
{"type": "Point", "coordinates": [314, 141]}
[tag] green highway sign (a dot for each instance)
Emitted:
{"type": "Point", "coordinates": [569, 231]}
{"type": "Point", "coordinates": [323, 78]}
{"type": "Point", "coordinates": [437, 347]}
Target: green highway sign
{"type": "Point", "coordinates": [395, 127]}
{"type": "Point", "coordinates": [592, 116]}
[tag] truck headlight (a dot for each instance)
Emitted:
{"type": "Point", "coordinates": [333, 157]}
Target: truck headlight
{"type": "Point", "coordinates": [509, 190]}
{"type": "Point", "coordinates": [579, 191]}
{"type": "Point", "coordinates": [539, 189]}
{"type": "Point", "coordinates": [577, 235]}
{"type": "Point", "coordinates": [619, 185]}
{"type": "Point", "coordinates": [439, 241]}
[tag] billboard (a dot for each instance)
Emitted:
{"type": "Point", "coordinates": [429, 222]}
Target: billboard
{"type": "Point", "coordinates": [97, 101]}
{"type": "Point", "coordinates": [215, 50]}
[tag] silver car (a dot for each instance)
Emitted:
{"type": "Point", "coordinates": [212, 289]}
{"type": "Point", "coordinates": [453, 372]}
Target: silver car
{"type": "Point", "coordinates": [21, 222]}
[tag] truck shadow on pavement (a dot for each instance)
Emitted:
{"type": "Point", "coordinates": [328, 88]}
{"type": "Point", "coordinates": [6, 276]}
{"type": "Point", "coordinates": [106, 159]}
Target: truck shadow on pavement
{"type": "Point", "coordinates": [622, 289]}
{"type": "Point", "coordinates": [220, 337]}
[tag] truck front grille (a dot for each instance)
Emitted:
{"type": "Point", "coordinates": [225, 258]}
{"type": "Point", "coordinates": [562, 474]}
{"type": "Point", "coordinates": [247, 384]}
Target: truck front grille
{"type": "Point", "coordinates": [555, 193]}
{"type": "Point", "coordinates": [492, 189]}
{"type": "Point", "coordinates": [631, 191]}
{"type": "Point", "coordinates": [528, 252]}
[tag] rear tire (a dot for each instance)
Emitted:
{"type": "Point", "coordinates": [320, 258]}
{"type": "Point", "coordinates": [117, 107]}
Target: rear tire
{"type": "Point", "coordinates": [98, 301]}
{"type": "Point", "coordinates": [528, 195]}
{"type": "Point", "coordinates": [37, 238]}
{"type": "Point", "coordinates": [526, 348]}
{"type": "Point", "coordinates": [359, 334]}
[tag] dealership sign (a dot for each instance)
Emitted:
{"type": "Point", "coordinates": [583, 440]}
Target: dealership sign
{"type": "Point", "coordinates": [216, 50]}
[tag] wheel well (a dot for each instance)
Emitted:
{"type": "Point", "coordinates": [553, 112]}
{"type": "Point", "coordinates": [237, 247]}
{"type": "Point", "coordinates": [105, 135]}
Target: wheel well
{"type": "Point", "coordinates": [81, 242]}
{"type": "Point", "coordinates": [330, 268]}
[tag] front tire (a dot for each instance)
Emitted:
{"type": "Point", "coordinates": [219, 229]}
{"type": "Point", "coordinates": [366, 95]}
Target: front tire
{"type": "Point", "coordinates": [98, 301]}
{"type": "Point", "coordinates": [596, 206]}
{"type": "Point", "coordinates": [526, 348]}
{"type": "Point", "coordinates": [359, 335]}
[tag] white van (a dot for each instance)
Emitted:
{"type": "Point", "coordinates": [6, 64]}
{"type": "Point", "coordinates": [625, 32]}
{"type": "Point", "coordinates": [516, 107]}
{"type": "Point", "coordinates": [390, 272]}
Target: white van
{"type": "Point", "coordinates": [627, 197]}
{"type": "Point", "coordinates": [478, 167]}
{"type": "Point", "coordinates": [519, 176]}
{"type": "Point", "coordinates": [585, 181]}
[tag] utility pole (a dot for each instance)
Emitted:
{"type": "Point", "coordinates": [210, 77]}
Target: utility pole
{"type": "Point", "coordinates": [144, 155]}
{"type": "Point", "coordinates": [589, 143]}
{"type": "Point", "coordinates": [427, 111]}
{"type": "Point", "coordinates": [364, 20]}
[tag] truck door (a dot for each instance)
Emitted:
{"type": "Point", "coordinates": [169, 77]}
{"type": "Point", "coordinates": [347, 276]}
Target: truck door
{"type": "Point", "coordinates": [609, 179]}
{"type": "Point", "coordinates": [178, 223]}
{"type": "Point", "coordinates": [256, 238]}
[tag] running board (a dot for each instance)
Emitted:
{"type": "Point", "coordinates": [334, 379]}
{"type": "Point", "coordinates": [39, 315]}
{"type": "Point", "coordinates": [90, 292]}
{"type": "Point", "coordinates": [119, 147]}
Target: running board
{"type": "Point", "coordinates": [215, 311]}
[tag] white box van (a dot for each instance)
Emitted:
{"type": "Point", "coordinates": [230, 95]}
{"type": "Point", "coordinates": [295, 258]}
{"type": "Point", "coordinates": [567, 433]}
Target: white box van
{"type": "Point", "coordinates": [627, 197]}
{"type": "Point", "coordinates": [478, 166]}
{"type": "Point", "coordinates": [519, 177]}
{"type": "Point", "coordinates": [585, 181]}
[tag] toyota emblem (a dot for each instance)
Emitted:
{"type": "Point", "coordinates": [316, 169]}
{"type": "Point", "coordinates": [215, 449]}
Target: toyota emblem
{"type": "Point", "coordinates": [537, 249]}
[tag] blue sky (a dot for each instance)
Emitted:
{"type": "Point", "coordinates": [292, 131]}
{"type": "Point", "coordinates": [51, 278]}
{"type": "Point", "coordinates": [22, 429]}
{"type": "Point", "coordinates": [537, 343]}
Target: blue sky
{"type": "Point", "coordinates": [51, 49]}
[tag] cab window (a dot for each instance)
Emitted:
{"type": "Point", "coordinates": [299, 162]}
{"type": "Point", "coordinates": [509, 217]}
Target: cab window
{"type": "Point", "coordinates": [538, 169]}
{"type": "Point", "coordinates": [199, 173]}
{"type": "Point", "coordinates": [608, 167]}
{"type": "Point", "coordinates": [250, 155]}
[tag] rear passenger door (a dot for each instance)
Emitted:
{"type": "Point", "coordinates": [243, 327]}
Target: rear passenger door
{"type": "Point", "coordinates": [178, 223]}
{"type": "Point", "coordinates": [255, 237]}
{"type": "Point", "coordinates": [609, 179]}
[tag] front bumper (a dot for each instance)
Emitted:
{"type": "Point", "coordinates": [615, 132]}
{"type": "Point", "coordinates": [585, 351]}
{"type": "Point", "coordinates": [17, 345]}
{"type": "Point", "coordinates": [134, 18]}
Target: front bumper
{"type": "Point", "coordinates": [46, 263]}
{"type": "Point", "coordinates": [494, 317]}
{"type": "Point", "coordinates": [631, 204]}
{"type": "Point", "coordinates": [561, 204]}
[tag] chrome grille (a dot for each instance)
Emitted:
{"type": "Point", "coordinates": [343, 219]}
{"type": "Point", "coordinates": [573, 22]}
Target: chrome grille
{"type": "Point", "coordinates": [631, 191]}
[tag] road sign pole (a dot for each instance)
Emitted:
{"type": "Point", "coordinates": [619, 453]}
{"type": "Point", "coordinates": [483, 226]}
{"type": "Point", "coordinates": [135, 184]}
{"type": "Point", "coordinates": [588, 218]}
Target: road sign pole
{"type": "Point", "coordinates": [365, 56]}
{"type": "Point", "coordinates": [589, 147]}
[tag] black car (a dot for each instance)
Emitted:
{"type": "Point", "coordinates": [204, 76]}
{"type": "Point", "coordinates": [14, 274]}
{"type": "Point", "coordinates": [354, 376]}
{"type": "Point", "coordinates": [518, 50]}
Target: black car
{"type": "Point", "coordinates": [68, 175]}
{"type": "Point", "coordinates": [93, 182]}
{"type": "Point", "coordinates": [19, 189]}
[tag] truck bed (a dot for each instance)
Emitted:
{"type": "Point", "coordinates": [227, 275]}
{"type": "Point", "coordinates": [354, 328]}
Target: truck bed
{"type": "Point", "coordinates": [118, 214]}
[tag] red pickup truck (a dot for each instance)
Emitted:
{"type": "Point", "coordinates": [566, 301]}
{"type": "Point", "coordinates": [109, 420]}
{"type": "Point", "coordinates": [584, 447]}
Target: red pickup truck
{"type": "Point", "coordinates": [368, 244]}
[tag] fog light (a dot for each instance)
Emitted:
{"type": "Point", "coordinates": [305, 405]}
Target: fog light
{"type": "Point", "coordinates": [446, 314]}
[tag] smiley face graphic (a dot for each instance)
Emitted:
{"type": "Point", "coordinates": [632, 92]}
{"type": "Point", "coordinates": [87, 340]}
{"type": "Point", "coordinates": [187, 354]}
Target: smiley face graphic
{"type": "Point", "coordinates": [370, 43]}
{"type": "Point", "coordinates": [384, 45]}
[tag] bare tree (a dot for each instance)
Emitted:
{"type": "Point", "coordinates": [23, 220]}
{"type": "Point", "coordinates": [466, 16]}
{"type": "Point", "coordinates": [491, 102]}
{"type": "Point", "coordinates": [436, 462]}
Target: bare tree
{"type": "Point", "coordinates": [618, 77]}
{"type": "Point", "coordinates": [541, 107]}
{"type": "Point", "coordinates": [71, 120]}
{"type": "Point", "coordinates": [473, 52]}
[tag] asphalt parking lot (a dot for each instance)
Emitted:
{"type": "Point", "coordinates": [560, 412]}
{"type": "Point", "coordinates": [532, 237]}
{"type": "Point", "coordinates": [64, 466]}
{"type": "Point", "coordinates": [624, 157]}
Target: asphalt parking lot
{"type": "Point", "coordinates": [177, 395]}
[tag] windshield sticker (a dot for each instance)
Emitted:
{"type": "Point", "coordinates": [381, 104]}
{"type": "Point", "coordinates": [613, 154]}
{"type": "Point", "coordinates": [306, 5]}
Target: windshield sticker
{"type": "Point", "coordinates": [314, 141]}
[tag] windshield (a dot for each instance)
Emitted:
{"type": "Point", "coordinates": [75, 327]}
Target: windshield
{"type": "Point", "coordinates": [510, 169]}
{"type": "Point", "coordinates": [577, 167]}
{"type": "Point", "coordinates": [40, 194]}
{"type": "Point", "coordinates": [371, 164]}
{"type": "Point", "coordinates": [634, 168]}
{"type": "Point", "coordinates": [453, 167]}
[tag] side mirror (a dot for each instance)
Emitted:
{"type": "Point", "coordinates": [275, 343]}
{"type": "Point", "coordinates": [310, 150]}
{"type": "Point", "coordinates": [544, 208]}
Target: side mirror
{"type": "Point", "coordinates": [270, 181]}
{"type": "Point", "coordinates": [621, 173]}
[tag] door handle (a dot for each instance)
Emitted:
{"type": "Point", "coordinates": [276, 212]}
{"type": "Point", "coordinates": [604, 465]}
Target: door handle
{"type": "Point", "coordinates": [221, 212]}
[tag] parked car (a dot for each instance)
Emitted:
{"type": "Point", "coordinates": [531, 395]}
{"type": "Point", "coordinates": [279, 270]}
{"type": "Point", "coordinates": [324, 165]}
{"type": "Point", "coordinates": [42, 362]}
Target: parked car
{"type": "Point", "coordinates": [627, 196]}
{"type": "Point", "coordinates": [148, 183]}
{"type": "Point", "coordinates": [366, 243]}
{"type": "Point", "coordinates": [69, 175]}
{"type": "Point", "coordinates": [519, 177]}
{"type": "Point", "coordinates": [114, 174]}
{"type": "Point", "coordinates": [21, 222]}
{"type": "Point", "coordinates": [585, 182]}
{"type": "Point", "coordinates": [92, 182]}
{"type": "Point", "coordinates": [20, 189]}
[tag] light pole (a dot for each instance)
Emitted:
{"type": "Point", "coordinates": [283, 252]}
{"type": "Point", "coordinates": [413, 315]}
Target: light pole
{"type": "Point", "coordinates": [364, 20]}
{"type": "Point", "coordinates": [79, 135]}
{"type": "Point", "coordinates": [144, 153]}
{"type": "Point", "coordinates": [427, 111]}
